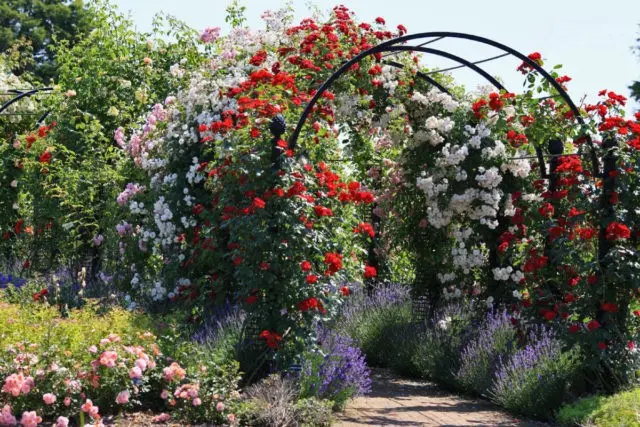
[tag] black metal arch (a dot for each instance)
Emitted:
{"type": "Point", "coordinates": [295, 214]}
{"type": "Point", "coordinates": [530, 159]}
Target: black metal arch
{"type": "Point", "coordinates": [389, 46]}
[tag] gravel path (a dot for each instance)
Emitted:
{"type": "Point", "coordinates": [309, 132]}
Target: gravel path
{"type": "Point", "coordinates": [399, 402]}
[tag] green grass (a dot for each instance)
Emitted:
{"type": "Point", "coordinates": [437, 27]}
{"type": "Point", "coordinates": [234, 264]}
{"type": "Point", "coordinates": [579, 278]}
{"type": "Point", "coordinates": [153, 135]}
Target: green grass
{"type": "Point", "coordinates": [619, 410]}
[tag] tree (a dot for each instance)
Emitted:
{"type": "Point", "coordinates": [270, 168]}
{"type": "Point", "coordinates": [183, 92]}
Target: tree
{"type": "Point", "coordinates": [41, 23]}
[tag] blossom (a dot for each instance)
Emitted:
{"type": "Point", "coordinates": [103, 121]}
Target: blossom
{"type": "Point", "coordinates": [89, 408]}
{"type": "Point", "coordinates": [308, 304]}
{"type": "Point", "coordinates": [123, 397]}
{"type": "Point", "coordinates": [49, 398]}
{"type": "Point", "coordinates": [70, 93]}
{"type": "Point", "coordinates": [220, 407]}
{"type": "Point", "coordinates": [617, 231]}
{"type": "Point", "coordinates": [311, 279]}
{"type": "Point", "coordinates": [305, 265]}
{"type": "Point", "coordinates": [6, 417]}
{"type": "Point", "coordinates": [174, 372]}
{"type": "Point", "coordinates": [370, 272]}
{"type": "Point", "coordinates": [62, 422]}
{"type": "Point", "coordinates": [108, 358]}
{"type": "Point", "coordinates": [592, 325]}
{"type": "Point", "coordinates": [345, 291]}
{"type": "Point", "coordinates": [272, 338]}
{"type": "Point", "coordinates": [17, 384]}
{"type": "Point", "coordinates": [210, 34]}
{"type": "Point", "coordinates": [30, 419]}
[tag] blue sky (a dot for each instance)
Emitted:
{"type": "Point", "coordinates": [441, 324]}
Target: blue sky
{"type": "Point", "coordinates": [591, 38]}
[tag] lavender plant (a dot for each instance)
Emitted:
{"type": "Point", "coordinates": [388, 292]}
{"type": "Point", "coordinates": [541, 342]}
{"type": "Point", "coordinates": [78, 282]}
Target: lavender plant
{"type": "Point", "coordinates": [533, 380]}
{"type": "Point", "coordinates": [221, 330]}
{"type": "Point", "coordinates": [375, 319]}
{"type": "Point", "coordinates": [495, 339]}
{"type": "Point", "coordinates": [338, 371]}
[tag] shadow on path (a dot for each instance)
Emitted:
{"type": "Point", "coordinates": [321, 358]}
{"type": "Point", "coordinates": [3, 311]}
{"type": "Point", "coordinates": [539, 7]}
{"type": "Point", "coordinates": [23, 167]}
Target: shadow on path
{"type": "Point", "coordinates": [400, 402]}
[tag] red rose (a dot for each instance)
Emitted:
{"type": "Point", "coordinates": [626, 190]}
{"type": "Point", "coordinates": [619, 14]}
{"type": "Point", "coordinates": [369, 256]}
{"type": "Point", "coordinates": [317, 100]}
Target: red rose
{"type": "Point", "coordinates": [258, 203]}
{"type": "Point", "coordinates": [574, 329]}
{"type": "Point", "coordinates": [308, 304]}
{"type": "Point", "coordinates": [593, 325]}
{"type": "Point", "coordinates": [617, 231]}
{"type": "Point", "coordinates": [602, 345]}
{"type": "Point", "coordinates": [608, 307]}
{"type": "Point", "coordinates": [45, 157]}
{"type": "Point", "coordinates": [547, 210]}
{"type": "Point", "coordinates": [370, 272]}
{"type": "Point", "coordinates": [380, 20]}
{"type": "Point", "coordinates": [305, 265]}
{"type": "Point", "coordinates": [311, 279]}
{"type": "Point", "coordinates": [345, 291]}
{"type": "Point", "coordinates": [251, 299]}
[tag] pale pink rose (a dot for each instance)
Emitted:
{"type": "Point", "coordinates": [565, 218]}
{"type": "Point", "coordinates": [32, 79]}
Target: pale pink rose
{"type": "Point", "coordinates": [164, 394]}
{"type": "Point", "coordinates": [67, 401]}
{"type": "Point", "coordinates": [142, 364]}
{"type": "Point", "coordinates": [16, 144]}
{"type": "Point", "coordinates": [220, 407]}
{"type": "Point", "coordinates": [197, 401]}
{"type": "Point", "coordinates": [123, 397]}
{"type": "Point", "coordinates": [108, 358]}
{"type": "Point", "coordinates": [113, 338]}
{"type": "Point", "coordinates": [62, 422]}
{"type": "Point", "coordinates": [231, 418]}
{"type": "Point", "coordinates": [49, 398]}
{"type": "Point", "coordinates": [17, 384]}
{"type": "Point", "coordinates": [147, 60]}
{"type": "Point", "coordinates": [6, 417]}
{"type": "Point", "coordinates": [93, 349]}
{"type": "Point", "coordinates": [104, 341]}
{"type": "Point", "coordinates": [135, 372]}
{"type": "Point", "coordinates": [30, 419]}
{"type": "Point", "coordinates": [70, 93]}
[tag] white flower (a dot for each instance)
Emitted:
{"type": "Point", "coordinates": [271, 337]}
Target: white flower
{"type": "Point", "coordinates": [489, 302]}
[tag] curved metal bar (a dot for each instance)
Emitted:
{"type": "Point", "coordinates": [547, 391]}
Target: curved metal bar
{"type": "Point", "coordinates": [22, 95]}
{"type": "Point", "coordinates": [383, 47]}
{"type": "Point", "coordinates": [423, 76]}
{"type": "Point", "coordinates": [452, 57]}
{"type": "Point", "coordinates": [493, 58]}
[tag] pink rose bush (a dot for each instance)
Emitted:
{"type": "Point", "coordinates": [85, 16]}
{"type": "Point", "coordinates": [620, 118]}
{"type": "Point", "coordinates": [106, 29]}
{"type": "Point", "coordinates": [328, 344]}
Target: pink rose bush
{"type": "Point", "coordinates": [118, 372]}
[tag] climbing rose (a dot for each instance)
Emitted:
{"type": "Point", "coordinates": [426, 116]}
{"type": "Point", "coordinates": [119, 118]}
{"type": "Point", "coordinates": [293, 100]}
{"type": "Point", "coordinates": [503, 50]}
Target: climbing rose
{"type": "Point", "coordinates": [617, 231]}
{"type": "Point", "coordinates": [370, 272]}
{"type": "Point", "coordinates": [305, 265]}
{"type": "Point", "coordinates": [30, 419]}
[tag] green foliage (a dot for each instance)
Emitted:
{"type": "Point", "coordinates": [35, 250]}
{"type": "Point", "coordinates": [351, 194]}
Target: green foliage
{"type": "Point", "coordinates": [235, 14]}
{"type": "Point", "coordinates": [622, 409]}
{"type": "Point", "coordinates": [42, 24]}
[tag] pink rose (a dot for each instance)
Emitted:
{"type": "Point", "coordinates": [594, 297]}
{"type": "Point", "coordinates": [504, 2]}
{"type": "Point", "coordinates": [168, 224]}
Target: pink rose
{"type": "Point", "coordinates": [49, 398]}
{"type": "Point", "coordinates": [30, 419]}
{"type": "Point", "coordinates": [197, 401]}
{"type": "Point", "coordinates": [62, 422]}
{"type": "Point", "coordinates": [220, 407]}
{"type": "Point", "coordinates": [123, 397]}
{"type": "Point", "coordinates": [135, 372]}
{"type": "Point", "coordinates": [67, 401]}
{"type": "Point", "coordinates": [6, 417]}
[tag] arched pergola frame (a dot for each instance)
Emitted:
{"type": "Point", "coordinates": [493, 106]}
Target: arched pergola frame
{"type": "Point", "coordinates": [398, 45]}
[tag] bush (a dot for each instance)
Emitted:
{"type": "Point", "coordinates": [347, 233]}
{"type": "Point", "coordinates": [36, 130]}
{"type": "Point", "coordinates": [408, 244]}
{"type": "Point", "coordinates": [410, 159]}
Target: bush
{"type": "Point", "coordinates": [622, 409]}
{"type": "Point", "coordinates": [445, 334]}
{"type": "Point", "coordinates": [373, 322]}
{"type": "Point", "coordinates": [533, 381]}
{"type": "Point", "coordinates": [91, 363]}
{"type": "Point", "coordinates": [494, 340]}
{"type": "Point", "coordinates": [336, 372]}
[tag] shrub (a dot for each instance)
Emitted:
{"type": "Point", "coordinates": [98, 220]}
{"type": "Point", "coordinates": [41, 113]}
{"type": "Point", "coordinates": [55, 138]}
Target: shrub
{"type": "Point", "coordinates": [533, 381]}
{"type": "Point", "coordinates": [105, 363]}
{"type": "Point", "coordinates": [271, 402]}
{"type": "Point", "coordinates": [622, 409]}
{"type": "Point", "coordinates": [494, 340]}
{"type": "Point", "coordinates": [443, 337]}
{"type": "Point", "coordinates": [336, 372]}
{"type": "Point", "coordinates": [373, 320]}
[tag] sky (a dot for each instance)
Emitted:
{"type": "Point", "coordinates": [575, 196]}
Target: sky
{"type": "Point", "coordinates": [592, 39]}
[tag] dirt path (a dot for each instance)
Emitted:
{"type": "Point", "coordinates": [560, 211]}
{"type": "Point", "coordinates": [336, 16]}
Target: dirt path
{"type": "Point", "coordinates": [399, 402]}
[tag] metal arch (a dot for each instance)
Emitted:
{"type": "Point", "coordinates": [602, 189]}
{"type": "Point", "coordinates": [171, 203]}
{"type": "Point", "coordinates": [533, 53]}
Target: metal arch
{"type": "Point", "coordinates": [440, 35]}
{"type": "Point", "coordinates": [377, 49]}
{"type": "Point", "coordinates": [23, 95]}
{"type": "Point", "coordinates": [422, 75]}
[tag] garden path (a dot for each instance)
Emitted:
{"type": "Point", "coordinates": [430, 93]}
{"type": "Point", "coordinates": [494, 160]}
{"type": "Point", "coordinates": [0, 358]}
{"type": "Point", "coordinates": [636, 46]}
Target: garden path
{"type": "Point", "coordinates": [399, 402]}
